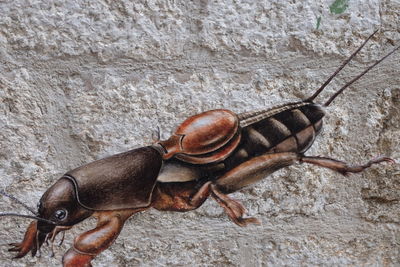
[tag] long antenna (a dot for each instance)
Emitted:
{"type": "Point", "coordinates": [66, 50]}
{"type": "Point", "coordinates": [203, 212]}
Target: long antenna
{"type": "Point", "coordinates": [3, 214]}
{"type": "Point", "coordinates": [339, 69]}
{"type": "Point", "coordinates": [357, 77]}
{"type": "Point", "coordinates": [2, 192]}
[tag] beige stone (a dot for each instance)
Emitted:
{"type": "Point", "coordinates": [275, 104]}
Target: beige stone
{"type": "Point", "coordinates": [80, 80]}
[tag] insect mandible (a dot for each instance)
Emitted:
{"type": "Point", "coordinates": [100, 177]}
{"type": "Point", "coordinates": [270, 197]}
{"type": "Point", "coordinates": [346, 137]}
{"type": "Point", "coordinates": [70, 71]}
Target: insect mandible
{"type": "Point", "coordinates": [214, 153]}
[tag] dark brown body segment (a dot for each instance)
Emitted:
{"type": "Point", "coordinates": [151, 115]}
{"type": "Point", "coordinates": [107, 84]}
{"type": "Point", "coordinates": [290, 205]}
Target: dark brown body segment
{"type": "Point", "coordinates": [293, 121]}
{"type": "Point", "coordinates": [121, 181]}
{"type": "Point", "coordinates": [289, 128]}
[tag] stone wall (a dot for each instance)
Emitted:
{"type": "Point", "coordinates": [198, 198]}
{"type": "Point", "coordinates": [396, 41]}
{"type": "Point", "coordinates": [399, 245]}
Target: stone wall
{"type": "Point", "coordinates": [81, 80]}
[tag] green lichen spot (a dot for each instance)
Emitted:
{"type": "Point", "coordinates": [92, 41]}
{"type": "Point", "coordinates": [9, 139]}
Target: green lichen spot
{"type": "Point", "coordinates": [318, 22]}
{"type": "Point", "coordinates": [339, 6]}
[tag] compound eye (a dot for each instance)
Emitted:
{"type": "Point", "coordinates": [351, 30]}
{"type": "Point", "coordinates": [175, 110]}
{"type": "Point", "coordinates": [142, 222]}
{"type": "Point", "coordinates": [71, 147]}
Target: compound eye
{"type": "Point", "coordinates": [60, 214]}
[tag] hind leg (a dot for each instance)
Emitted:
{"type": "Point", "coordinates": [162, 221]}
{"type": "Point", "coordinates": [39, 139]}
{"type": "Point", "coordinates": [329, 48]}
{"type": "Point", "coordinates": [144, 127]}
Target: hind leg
{"type": "Point", "coordinates": [187, 196]}
{"type": "Point", "coordinates": [343, 167]}
{"type": "Point", "coordinates": [245, 174]}
{"type": "Point", "coordinates": [257, 168]}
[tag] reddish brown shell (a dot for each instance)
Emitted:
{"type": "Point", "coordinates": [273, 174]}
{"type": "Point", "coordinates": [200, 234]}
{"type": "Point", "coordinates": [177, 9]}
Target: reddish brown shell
{"type": "Point", "coordinates": [215, 156]}
{"type": "Point", "coordinates": [207, 131]}
{"type": "Point", "coordinates": [202, 134]}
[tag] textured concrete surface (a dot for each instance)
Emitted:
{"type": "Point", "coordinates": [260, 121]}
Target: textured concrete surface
{"type": "Point", "coordinates": [80, 80]}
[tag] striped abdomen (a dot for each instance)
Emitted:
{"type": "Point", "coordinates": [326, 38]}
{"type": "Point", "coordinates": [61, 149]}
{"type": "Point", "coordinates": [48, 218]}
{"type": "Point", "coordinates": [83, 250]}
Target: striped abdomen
{"type": "Point", "coordinates": [288, 128]}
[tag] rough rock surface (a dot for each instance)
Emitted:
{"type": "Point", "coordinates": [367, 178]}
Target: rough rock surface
{"type": "Point", "coordinates": [80, 80]}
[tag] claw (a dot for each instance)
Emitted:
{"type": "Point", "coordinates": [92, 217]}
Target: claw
{"type": "Point", "coordinates": [233, 208]}
{"type": "Point", "coordinates": [33, 252]}
{"type": "Point", "coordinates": [51, 255]}
{"type": "Point", "coordinates": [19, 255]}
{"type": "Point", "coordinates": [27, 244]}
{"type": "Point", "coordinates": [250, 220]}
{"type": "Point", "coordinates": [390, 160]}
{"type": "Point", "coordinates": [14, 249]}
{"type": "Point", "coordinates": [46, 240]}
{"type": "Point", "coordinates": [62, 239]}
{"type": "Point", "coordinates": [50, 238]}
{"type": "Point", "coordinates": [156, 135]}
{"type": "Point", "coordinates": [34, 239]}
{"type": "Point", "coordinates": [381, 159]}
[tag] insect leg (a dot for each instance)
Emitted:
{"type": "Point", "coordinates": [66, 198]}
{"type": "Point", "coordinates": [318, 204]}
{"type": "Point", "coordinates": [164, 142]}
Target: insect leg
{"type": "Point", "coordinates": [246, 174]}
{"type": "Point", "coordinates": [179, 196]}
{"type": "Point", "coordinates": [93, 242]}
{"type": "Point", "coordinates": [343, 167]}
{"type": "Point", "coordinates": [253, 170]}
{"type": "Point", "coordinates": [28, 243]}
{"type": "Point", "coordinates": [233, 208]}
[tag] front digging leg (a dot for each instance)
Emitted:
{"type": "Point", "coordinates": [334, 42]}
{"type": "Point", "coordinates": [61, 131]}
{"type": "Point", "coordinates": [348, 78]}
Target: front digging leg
{"type": "Point", "coordinates": [28, 243]}
{"type": "Point", "coordinates": [91, 243]}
